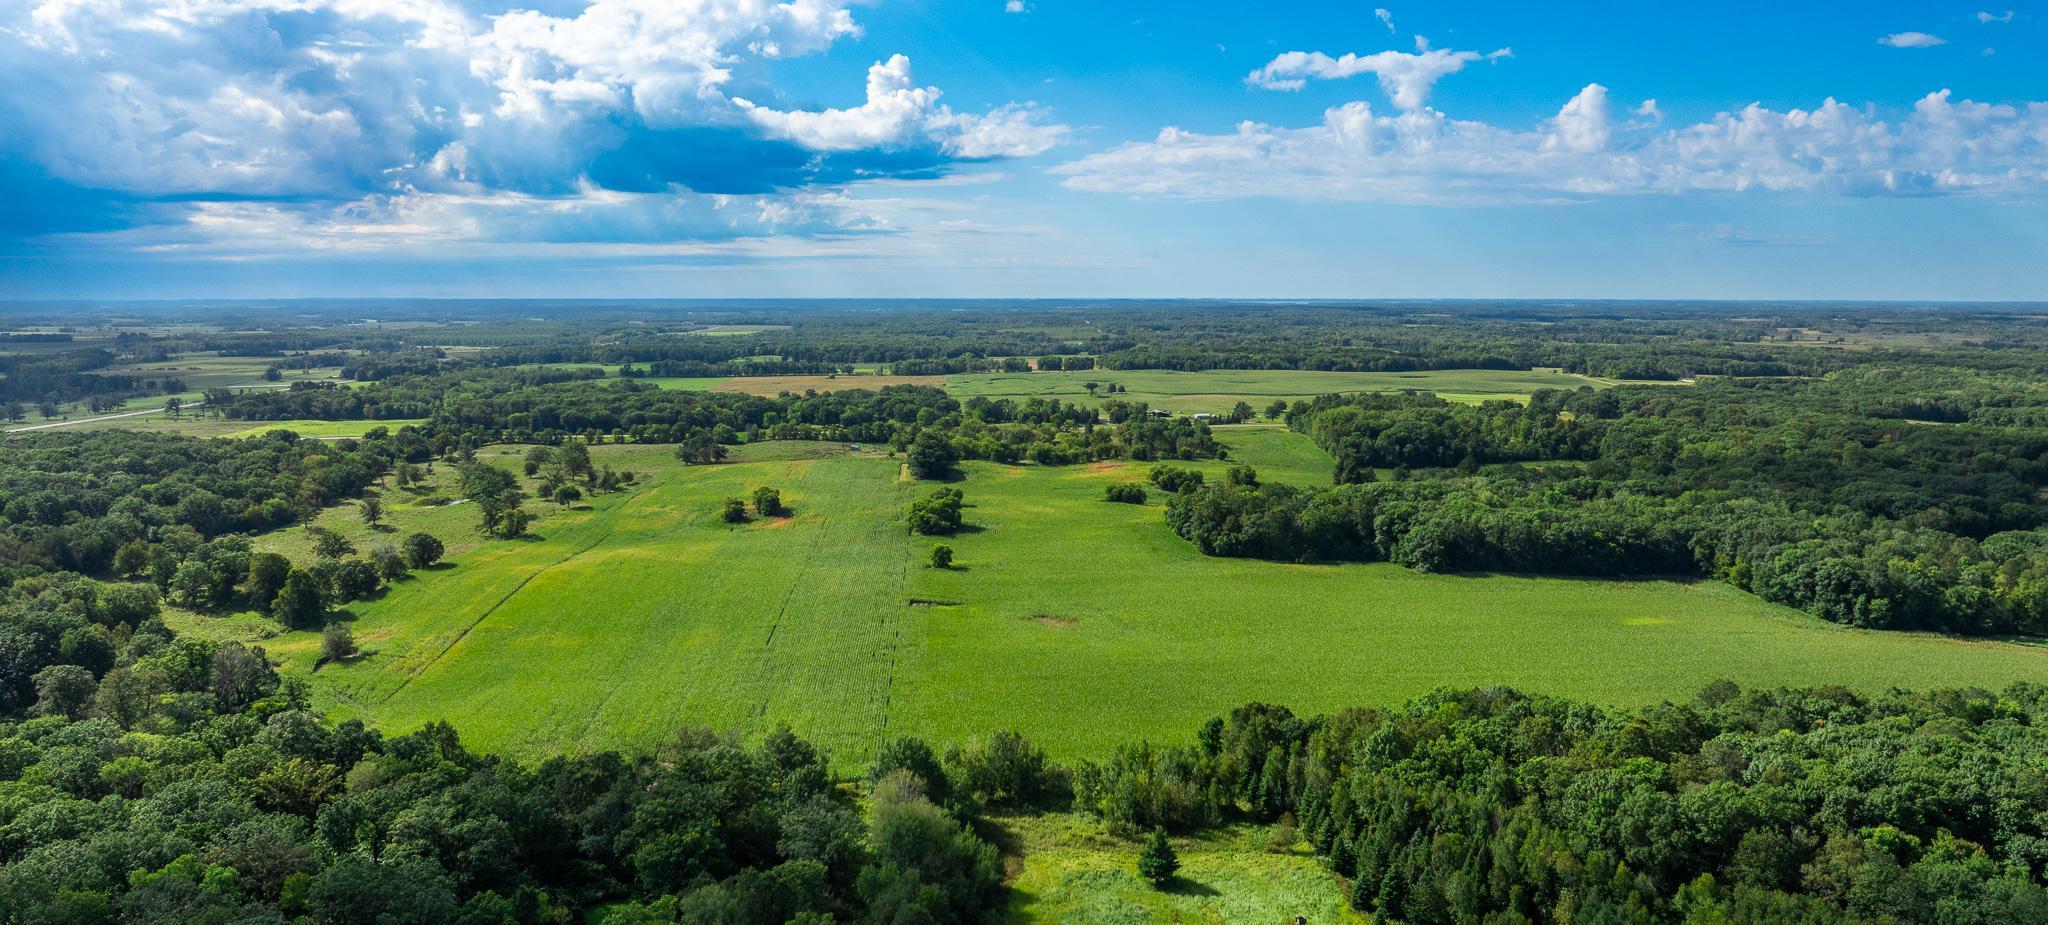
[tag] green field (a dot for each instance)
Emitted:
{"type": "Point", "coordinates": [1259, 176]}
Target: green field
{"type": "Point", "coordinates": [1082, 623]}
{"type": "Point", "coordinates": [1217, 390]}
{"type": "Point", "coordinates": [1074, 873]}
{"type": "Point", "coordinates": [322, 429]}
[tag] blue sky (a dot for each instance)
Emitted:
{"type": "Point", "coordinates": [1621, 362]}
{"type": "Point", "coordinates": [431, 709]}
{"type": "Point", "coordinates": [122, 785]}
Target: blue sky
{"type": "Point", "coordinates": [706, 148]}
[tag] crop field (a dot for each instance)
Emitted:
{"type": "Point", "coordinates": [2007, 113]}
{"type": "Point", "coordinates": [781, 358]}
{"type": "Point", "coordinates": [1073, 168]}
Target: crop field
{"type": "Point", "coordinates": [640, 612]}
{"type": "Point", "coordinates": [776, 385]}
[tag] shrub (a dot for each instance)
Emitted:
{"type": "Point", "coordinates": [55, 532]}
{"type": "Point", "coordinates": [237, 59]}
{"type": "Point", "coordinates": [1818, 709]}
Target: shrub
{"type": "Point", "coordinates": [942, 556]}
{"type": "Point", "coordinates": [768, 501]}
{"type": "Point", "coordinates": [1175, 479]}
{"type": "Point", "coordinates": [1124, 493]}
{"type": "Point", "coordinates": [735, 511]}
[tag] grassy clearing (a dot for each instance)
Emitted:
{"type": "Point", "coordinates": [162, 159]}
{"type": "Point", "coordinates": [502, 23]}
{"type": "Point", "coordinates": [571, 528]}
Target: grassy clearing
{"type": "Point", "coordinates": [323, 429]}
{"type": "Point", "coordinates": [776, 385]}
{"type": "Point", "coordinates": [1069, 870]}
{"type": "Point", "coordinates": [1079, 622]}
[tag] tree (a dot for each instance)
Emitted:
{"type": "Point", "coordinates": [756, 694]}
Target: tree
{"type": "Point", "coordinates": [931, 455]}
{"type": "Point", "coordinates": [768, 501]}
{"type": "Point", "coordinates": [700, 449]}
{"type": "Point", "coordinates": [1091, 387]}
{"type": "Point", "coordinates": [64, 690]}
{"type": "Point", "coordinates": [937, 515]}
{"type": "Point", "coordinates": [1242, 412]}
{"type": "Point", "coordinates": [372, 511]}
{"type": "Point", "coordinates": [1242, 475]}
{"type": "Point", "coordinates": [942, 557]}
{"type": "Point", "coordinates": [173, 407]}
{"type": "Point", "coordinates": [301, 601]}
{"type": "Point", "coordinates": [1276, 409]}
{"type": "Point", "coordinates": [422, 550]}
{"type": "Point", "coordinates": [389, 561]}
{"type": "Point", "coordinates": [735, 511]}
{"type": "Point", "coordinates": [328, 544]}
{"type": "Point", "coordinates": [337, 642]}
{"type": "Point", "coordinates": [267, 572]}
{"type": "Point", "coordinates": [566, 495]}
{"type": "Point", "coordinates": [496, 494]}
{"type": "Point", "coordinates": [1157, 862]}
{"type": "Point", "coordinates": [354, 579]}
{"type": "Point", "coordinates": [1124, 493]}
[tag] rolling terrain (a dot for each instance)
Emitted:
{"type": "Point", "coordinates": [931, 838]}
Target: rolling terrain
{"type": "Point", "coordinates": [640, 611]}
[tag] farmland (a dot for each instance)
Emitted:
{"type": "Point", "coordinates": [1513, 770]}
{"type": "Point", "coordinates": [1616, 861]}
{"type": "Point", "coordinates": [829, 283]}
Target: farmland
{"type": "Point", "coordinates": [1188, 392]}
{"type": "Point", "coordinates": [640, 611]}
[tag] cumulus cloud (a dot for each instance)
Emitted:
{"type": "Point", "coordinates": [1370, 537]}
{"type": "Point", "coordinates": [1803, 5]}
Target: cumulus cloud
{"type": "Point", "coordinates": [1943, 146]}
{"type": "Point", "coordinates": [1406, 78]}
{"type": "Point", "coordinates": [1015, 6]}
{"type": "Point", "coordinates": [1995, 17]}
{"type": "Point", "coordinates": [899, 112]}
{"type": "Point", "coordinates": [328, 107]}
{"type": "Point", "coordinates": [1912, 40]}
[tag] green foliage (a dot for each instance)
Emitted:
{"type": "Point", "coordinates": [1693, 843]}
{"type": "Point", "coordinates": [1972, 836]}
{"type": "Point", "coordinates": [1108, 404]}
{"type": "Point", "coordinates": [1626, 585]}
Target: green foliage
{"type": "Point", "coordinates": [937, 514]}
{"type": "Point", "coordinates": [422, 550]}
{"type": "Point", "coordinates": [942, 556]}
{"type": "Point", "coordinates": [301, 603]}
{"type": "Point", "coordinates": [1175, 479]}
{"type": "Point", "coordinates": [337, 642]}
{"type": "Point", "coordinates": [735, 511]}
{"type": "Point", "coordinates": [768, 502]}
{"type": "Point", "coordinates": [1157, 862]}
{"type": "Point", "coordinates": [1124, 493]}
{"type": "Point", "coordinates": [931, 456]}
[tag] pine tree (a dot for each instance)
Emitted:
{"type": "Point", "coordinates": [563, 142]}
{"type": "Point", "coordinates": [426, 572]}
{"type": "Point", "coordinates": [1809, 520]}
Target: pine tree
{"type": "Point", "coordinates": [1156, 861]}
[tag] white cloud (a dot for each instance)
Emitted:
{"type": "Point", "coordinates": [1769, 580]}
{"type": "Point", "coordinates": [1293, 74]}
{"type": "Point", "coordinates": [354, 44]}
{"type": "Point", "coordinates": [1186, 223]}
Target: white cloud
{"type": "Point", "coordinates": [893, 111]}
{"type": "Point", "coordinates": [1584, 124]}
{"type": "Point", "coordinates": [1995, 17]}
{"type": "Point", "coordinates": [1406, 79]}
{"type": "Point", "coordinates": [1015, 6]}
{"type": "Point", "coordinates": [1424, 156]}
{"type": "Point", "coordinates": [343, 107]}
{"type": "Point", "coordinates": [1386, 18]}
{"type": "Point", "coordinates": [1912, 40]}
{"type": "Point", "coordinates": [898, 113]}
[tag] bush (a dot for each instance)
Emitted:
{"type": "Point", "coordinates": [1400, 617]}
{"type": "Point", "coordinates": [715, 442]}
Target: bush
{"type": "Point", "coordinates": [768, 501]}
{"type": "Point", "coordinates": [1006, 770]}
{"type": "Point", "coordinates": [735, 511]}
{"type": "Point", "coordinates": [942, 556]}
{"type": "Point", "coordinates": [1124, 493]}
{"type": "Point", "coordinates": [1175, 479]}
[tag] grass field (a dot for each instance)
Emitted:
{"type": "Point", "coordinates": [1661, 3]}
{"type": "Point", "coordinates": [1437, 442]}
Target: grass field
{"type": "Point", "coordinates": [1071, 872]}
{"type": "Point", "coordinates": [1079, 622]}
{"type": "Point", "coordinates": [320, 429]}
{"type": "Point", "coordinates": [1212, 390]}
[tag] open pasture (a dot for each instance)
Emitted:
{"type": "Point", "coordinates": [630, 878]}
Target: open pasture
{"type": "Point", "coordinates": [1079, 622]}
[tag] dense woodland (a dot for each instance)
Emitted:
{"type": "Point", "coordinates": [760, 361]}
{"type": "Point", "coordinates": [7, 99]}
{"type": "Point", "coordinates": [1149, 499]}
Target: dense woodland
{"type": "Point", "coordinates": [1883, 467]}
{"type": "Point", "coordinates": [1814, 493]}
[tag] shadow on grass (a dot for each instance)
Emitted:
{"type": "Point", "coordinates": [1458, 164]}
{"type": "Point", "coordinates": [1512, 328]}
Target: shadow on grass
{"type": "Point", "coordinates": [1182, 886]}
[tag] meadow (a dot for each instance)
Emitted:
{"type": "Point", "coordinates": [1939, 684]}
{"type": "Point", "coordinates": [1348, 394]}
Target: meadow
{"type": "Point", "coordinates": [1079, 622]}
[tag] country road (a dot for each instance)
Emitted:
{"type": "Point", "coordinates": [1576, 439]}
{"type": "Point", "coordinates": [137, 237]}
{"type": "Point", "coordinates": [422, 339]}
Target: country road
{"type": "Point", "coordinates": [104, 417]}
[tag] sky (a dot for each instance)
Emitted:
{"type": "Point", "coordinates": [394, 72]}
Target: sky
{"type": "Point", "coordinates": [181, 149]}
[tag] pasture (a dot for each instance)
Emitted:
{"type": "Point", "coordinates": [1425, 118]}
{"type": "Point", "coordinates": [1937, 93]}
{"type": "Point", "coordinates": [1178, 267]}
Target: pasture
{"type": "Point", "coordinates": [1081, 623]}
